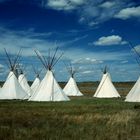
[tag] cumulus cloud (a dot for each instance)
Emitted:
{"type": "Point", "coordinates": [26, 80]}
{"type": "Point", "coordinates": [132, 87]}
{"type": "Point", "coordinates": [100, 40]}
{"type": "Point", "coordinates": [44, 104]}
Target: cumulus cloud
{"type": "Point", "coordinates": [92, 23]}
{"type": "Point", "coordinates": [128, 13]}
{"type": "Point", "coordinates": [93, 12]}
{"type": "Point", "coordinates": [109, 40]}
{"type": "Point", "coordinates": [63, 4]}
{"type": "Point", "coordinates": [107, 4]}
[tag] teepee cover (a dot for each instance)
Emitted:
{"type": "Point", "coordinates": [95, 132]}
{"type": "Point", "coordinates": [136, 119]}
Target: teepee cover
{"type": "Point", "coordinates": [106, 88]}
{"type": "Point", "coordinates": [71, 88]}
{"type": "Point", "coordinates": [134, 94]}
{"type": "Point", "coordinates": [12, 89]}
{"type": "Point", "coordinates": [49, 90]}
{"type": "Point", "coordinates": [24, 84]}
{"type": "Point", "coordinates": [35, 84]}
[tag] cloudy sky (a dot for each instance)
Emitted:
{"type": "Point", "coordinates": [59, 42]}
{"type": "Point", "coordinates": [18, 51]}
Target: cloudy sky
{"type": "Point", "coordinates": [90, 33]}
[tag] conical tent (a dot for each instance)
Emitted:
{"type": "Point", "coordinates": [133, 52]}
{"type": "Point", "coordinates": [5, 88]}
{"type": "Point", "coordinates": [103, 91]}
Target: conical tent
{"type": "Point", "coordinates": [37, 80]}
{"type": "Point", "coordinates": [12, 89]}
{"type": "Point", "coordinates": [24, 84]}
{"type": "Point", "coordinates": [35, 84]}
{"type": "Point", "coordinates": [49, 89]}
{"type": "Point", "coordinates": [71, 88]}
{"type": "Point", "coordinates": [134, 94]}
{"type": "Point", "coordinates": [106, 88]}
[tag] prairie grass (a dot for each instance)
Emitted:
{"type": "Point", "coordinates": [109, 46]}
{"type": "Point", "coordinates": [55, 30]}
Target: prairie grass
{"type": "Point", "coordinates": [83, 118]}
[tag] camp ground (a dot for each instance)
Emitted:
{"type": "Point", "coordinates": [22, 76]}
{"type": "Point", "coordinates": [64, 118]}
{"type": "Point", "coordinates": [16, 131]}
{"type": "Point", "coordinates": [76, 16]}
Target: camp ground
{"type": "Point", "coordinates": [69, 69]}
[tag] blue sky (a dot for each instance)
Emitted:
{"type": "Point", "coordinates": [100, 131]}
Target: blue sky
{"type": "Point", "coordinates": [91, 34]}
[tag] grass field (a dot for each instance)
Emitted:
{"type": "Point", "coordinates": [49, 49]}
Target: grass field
{"type": "Point", "coordinates": [82, 118]}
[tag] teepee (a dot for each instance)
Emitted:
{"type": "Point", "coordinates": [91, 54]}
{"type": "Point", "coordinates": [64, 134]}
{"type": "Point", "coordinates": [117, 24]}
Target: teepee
{"type": "Point", "coordinates": [106, 88]}
{"type": "Point", "coordinates": [71, 88]}
{"type": "Point", "coordinates": [36, 82]}
{"type": "Point", "coordinates": [24, 84]}
{"type": "Point", "coordinates": [11, 88]}
{"type": "Point", "coordinates": [134, 94]}
{"type": "Point", "coordinates": [49, 89]}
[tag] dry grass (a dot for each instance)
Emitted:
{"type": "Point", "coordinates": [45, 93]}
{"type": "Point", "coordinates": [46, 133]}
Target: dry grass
{"type": "Point", "coordinates": [85, 118]}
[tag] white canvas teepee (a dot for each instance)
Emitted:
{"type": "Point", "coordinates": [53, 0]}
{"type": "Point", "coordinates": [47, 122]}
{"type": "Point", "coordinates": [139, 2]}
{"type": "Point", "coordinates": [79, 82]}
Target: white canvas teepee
{"type": "Point", "coordinates": [49, 89]}
{"type": "Point", "coordinates": [134, 94]}
{"type": "Point", "coordinates": [37, 80]}
{"type": "Point", "coordinates": [106, 88]}
{"type": "Point", "coordinates": [24, 84]}
{"type": "Point", "coordinates": [12, 89]}
{"type": "Point", "coordinates": [35, 84]}
{"type": "Point", "coordinates": [71, 88]}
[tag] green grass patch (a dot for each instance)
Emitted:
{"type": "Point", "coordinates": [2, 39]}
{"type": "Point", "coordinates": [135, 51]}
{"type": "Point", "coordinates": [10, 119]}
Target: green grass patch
{"type": "Point", "coordinates": [81, 118]}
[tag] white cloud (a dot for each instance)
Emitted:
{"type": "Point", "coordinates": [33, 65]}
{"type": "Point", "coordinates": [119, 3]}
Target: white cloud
{"type": "Point", "coordinates": [78, 2]}
{"type": "Point", "coordinates": [60, 5]}
{"type": "Point", "coordinates": [64, 4]}
{"type": "Point", "coordinates": [109, 40]}
{"type": "Point", "coordinates": [92, 23]}
{"type": "Point", "coordinates": [91, 12]}
{"type": "Point", "coordinates": [128, 13]}
{"type": "Point", "coordinates": [107, 4]}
